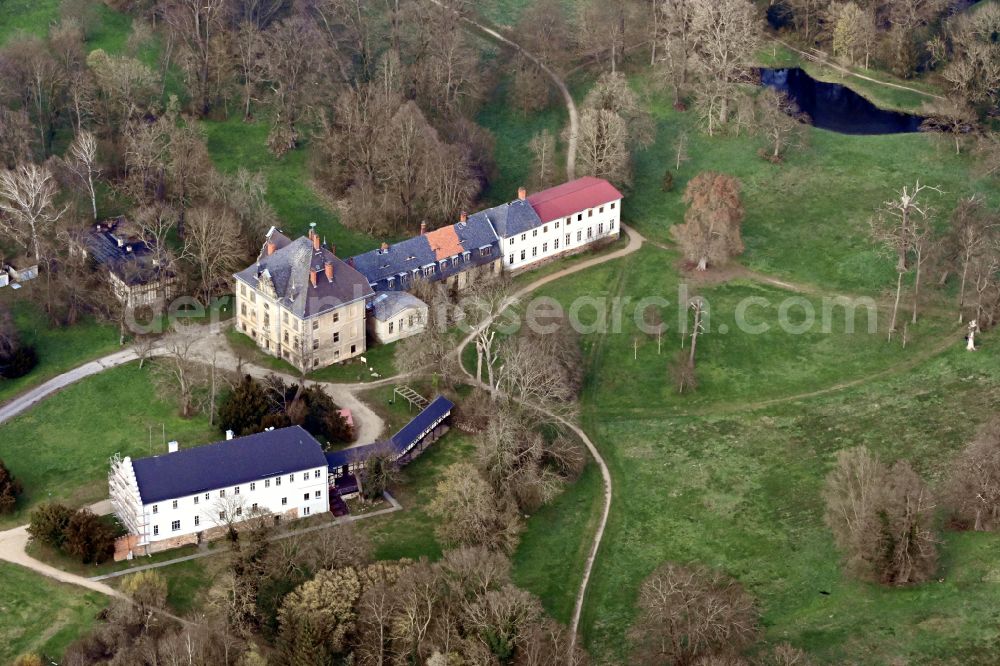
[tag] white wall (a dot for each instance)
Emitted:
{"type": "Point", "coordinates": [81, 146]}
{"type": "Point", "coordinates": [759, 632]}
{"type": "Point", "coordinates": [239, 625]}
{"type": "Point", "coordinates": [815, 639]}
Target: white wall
{"type": "Point", "coordinates": [266, 493]}
{"type": "Point", "coordinates": [550, 239]}
{"type": "Point", "coordinates": [403, 324]}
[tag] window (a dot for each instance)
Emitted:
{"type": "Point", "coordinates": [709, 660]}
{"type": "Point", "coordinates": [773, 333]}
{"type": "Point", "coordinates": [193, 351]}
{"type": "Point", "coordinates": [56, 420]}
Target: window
{"type": "Point", "coordinates": [175, 526]}
{"type": "Point", "coordinates": [612, 205]}
{"type": "Point", "coordinates": [197, 521]}
{"type": "Point", "coordinates": [305, 496]}
{"type": "Point", "coordinates": [156, 530]}
{"type": "Point", "coordinates": [315, 362]}
{"type": "Point", "coordinates": [545, 229]}
{"type": "Point", "coordinates": [277, 480]}
{"type": "Point", "coordinates": [485, 252]}
{"type": "Point", "coordinates": [243, 290]}
{"type": "Point", "coordinates": [410, 319]}
{"type": "Point", "coordinates": [568, 220]}
{"type": "Point", "coordinates": [316, 474]}
{"type": "Point", "coordinates": [196, 499]}
{"type": "Point", "coordinates": [510, 242]}
{"type": "Point", "coordinates": [291, 478]}
{"type": "Point", "coordinates": [524, 236]}
{"type": "Point", "coordinates": [336, 317]}
{"type": "Point", "coordinates": [428, 271]}
{"type": "Point", "coordinates": [222, 493]}
{"type": "Point", "coordinates": [600, 228]}
{"type": "Point", "coordinates": [534, 232]}
{"type": "Point", "coordinates": [510, 259]}
{"type": "Point", "coordinates": [522, 255]}
{"type": "Point", "coordinates": [239, 511]}
{"type": "Point", "coordinates": [174, 505]}
{"type": "Point", "coordinates": [336, 354]}
{"type": "Point", "coordinates": [590, 213]}
{"type": "Point", "coordinates": [557, 224]}
{"type": "Point", "coordinates": [156, 508]}
{"type": "Point", "coordinates": [534, 251]}
{"type": "Point", "coordinates": [222, 515]}
{"type": "Point", "coordinates": [267, 320]}
{"type": "Point", "coordinates": [317, 494]}
{"type": "Point", "coordinates": [253, 507]}
{"type": "Point", "coordinates": [601, 209]}
{"type": "Point", "coordinates": [354, 348]}
{"type": "Point", "coordinates": [545, 248]}
{"type": "Point", "coordinates": [590, 232]}
{"type": "Point", "coordinates": [401, 323]}
{"type": "Point", "coordinates": [315, 343]}
{"type": "Point", "coordinates": [253, 486]}
{"type": "Point", "coordinates": [305, 511]}
{"type": "Point", "coordinates": [267, 483]}
{"type": "Point", "coordinates": [555, 244]}
{"type": "Point", "coordinates": [611, 225]}
{"type": "Point", "coordinates": [286, 337]}
{"type": "Point", "coordinates": [579, 217]}
{"type": "Point", "coordinates": [315, 324]}
{"type": "Point", "coordinates": [390, 282]}
{"type": "Point", "coordinates": [336, 336]}
{"type": "Point", "coordinates": [206, 497]}
{"type": "Point", "coordinates": [284, 501]}
{"type": "Point", "coordinates": [579, 235]}
{"type": "Point", "coordinates": [391, 326]}
{"type": "Point", "coordinates": [236, 490]}
{"type": "Point", "coordinates": [567, 239]}
{"type": "Point", "coordinates": [243, 309]}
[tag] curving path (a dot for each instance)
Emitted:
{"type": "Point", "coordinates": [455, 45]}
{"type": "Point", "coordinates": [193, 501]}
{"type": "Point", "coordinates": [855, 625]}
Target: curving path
{"type": "Point", "coordinates": [635, 241]}
{"type": "Point", "coordinates": [574, 118]}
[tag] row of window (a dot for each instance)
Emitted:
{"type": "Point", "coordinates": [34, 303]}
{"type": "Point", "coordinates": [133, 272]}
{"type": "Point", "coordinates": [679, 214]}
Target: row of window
{"type": "Point", "coordinates": [317, 474]}
{"type": "Point", "coordinates": [409, 322]}
{"type": "Point", "coordinates": [569, 220]}
{"type": "Point", "coordinates": [175, 526]}
{"type": "Point", "coordinates": [555, 243]}
{"type": "Point", "coordinates": [428, 271]}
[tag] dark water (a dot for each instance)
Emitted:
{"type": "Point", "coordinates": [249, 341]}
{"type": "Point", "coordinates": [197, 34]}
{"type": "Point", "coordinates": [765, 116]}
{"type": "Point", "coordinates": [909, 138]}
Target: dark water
{"type": "Point", "coordinates": [835, 107]}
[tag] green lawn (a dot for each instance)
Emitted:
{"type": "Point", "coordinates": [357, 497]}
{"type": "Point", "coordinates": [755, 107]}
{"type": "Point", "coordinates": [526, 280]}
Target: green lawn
{"type": "Point", "coordinates": [60, 448]}
{"type": "Point", "coordinates": [234, 144]}
{"type": "Point", "coordinates": [59, 349]}
{"type": "Point", "coordinates": [38, 615]}
{"type": "Point", "coordinates": [806, 219]}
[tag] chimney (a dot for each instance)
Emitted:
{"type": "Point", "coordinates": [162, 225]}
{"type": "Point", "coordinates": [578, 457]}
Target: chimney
{"type": "Point", "coordinates": [313, 274]}
{"type": "Point", "coordinates": [316, 242]}
{"type": "Point", "coordinates": [522, 193]}
{"type": "Point", "coordinates": [229, 435]}
{"type": "Point", "coordinates": [463, 217]}
{"type": "Point", "coordinates": [271, 247]}
{"type": "Point", "coordinates": [328, 268]}
{"type": "Point", "coordinates": [385, 247]}
{"type": "Point", "coordinates": [172, 446]}
{"type": "Point", "coordinates": [423, 228]}
{"type": "Point", "coordinates": [312, 230]}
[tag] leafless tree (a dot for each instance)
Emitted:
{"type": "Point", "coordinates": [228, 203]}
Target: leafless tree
{"type": "Point", "coordinates": [881, 518]}
{"type": "Point", "coordinates": [602, 146]}
{"type": "Point", "coordinates": [854, 33]}
{"type": "Point", "coordinates": [28, 200]}
{"type": "Point", "coordinates": [36, 76]}
{"type": "Point", "coordinates": [158, 223]}
{"type": "Point", "coordinates": [249, 44]}
{"type": "Point", "coordinates": [949, 118]}
{"type": "Point", "coordinates": [124, 87]}
{"type": "Point", "coordinates": [973, 493]}
{"type": "Point", "coordinates": [987, 152]}
{"type": "Point", "coordinates": [83, 154]}
{"type": "Point", "coordinates": [675, 40]}
{"type": "Point", "coordinates": [974, 69]}
{"type": "Point", "coordinates": [780, 123]}
{"type": "Point", "coordinates": [726, 34]}
{"type": "Point", "coordinates": [686, 613]}
{"type": "Point", "coordinates": [15, 137]}
{"type": "Point", "coordinates": [214, 246]}
{"type": "Point", "coordinates": [543, 152]}
{"type": "Point", "coordinates": [469, 513]}
{"type": "Point", "coordinates": [681, 153]}
{"type": "Point", "coordinates": [893, 228]}
{"type": "Point", "coordinates": [198, 27]}
{"type": "Point", "coordinates": [178, 373]}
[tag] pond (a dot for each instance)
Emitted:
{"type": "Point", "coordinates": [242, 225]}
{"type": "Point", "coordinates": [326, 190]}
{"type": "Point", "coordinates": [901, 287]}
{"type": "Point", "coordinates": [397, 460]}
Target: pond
{"type": "Point", "coordinates": [837, 108]}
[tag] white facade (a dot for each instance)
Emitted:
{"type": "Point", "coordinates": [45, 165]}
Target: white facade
{"type": "Point", "coordinates": [561, 236]}
{"type": "Point", "coordinates": [294, 494]}
{"type": "Point", "coordinates": [403, 324]}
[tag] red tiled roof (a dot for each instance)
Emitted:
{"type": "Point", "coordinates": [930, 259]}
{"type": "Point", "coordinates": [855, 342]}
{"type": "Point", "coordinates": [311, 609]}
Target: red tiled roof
{"type": "Point", "coordinates": [444, 242]}
{"type": "Point", "coordinates": [572, 197]}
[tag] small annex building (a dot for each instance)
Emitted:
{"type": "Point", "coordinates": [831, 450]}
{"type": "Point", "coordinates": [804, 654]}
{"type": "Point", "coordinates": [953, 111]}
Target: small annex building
{"type": "Point", "coordinates": [187, 496]}
{"type": "Point", "coordinates": [394, 315]}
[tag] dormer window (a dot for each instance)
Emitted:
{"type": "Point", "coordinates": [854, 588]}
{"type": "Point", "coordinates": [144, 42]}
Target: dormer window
{"type": "Point", "coordinates": [390, 282]}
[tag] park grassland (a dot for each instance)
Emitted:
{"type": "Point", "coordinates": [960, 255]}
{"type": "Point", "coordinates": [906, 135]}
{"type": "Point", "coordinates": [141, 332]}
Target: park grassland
{"type": "Point", "coordinates": [60, 448]}
{"type": "Point", "coordinates": [38, 615]}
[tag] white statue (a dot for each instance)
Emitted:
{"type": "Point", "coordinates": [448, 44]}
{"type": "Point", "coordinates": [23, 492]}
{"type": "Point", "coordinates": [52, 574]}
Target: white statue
{"type": "Point", "coordinates": [970, 339]}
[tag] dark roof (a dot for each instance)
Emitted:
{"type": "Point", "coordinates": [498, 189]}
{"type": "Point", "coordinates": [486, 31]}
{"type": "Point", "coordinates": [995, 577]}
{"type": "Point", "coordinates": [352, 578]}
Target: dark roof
{"type": "Point", "coordinates": [390, 303]}
{"type": "Point", "coordinates": [131, 259]}
{"type": "Point", "coordinates": [398, 261]}
{"type": "Point", "coordinates": [401, 442]}
{"type": "Point", "coordinates": [573, 197]}
{"type": "Point", "coordinates": [511, 218]}
{"type": "Point", "coordinates": [226, 464]}
{"type": "Point", "coordinates": [288, 270]}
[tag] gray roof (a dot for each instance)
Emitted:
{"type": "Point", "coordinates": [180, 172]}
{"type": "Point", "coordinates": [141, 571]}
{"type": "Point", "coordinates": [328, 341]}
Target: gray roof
{"type": "Point", "coordinates": [131, 259]}
{"type": "Point", "coordinates": [226, 464]}
{"type": "Point", "coordinates": [511, 218]}
{"type": "Point", "coordinates": [390, 303]}
{"type": "Point", "coordinates": [288, 270]}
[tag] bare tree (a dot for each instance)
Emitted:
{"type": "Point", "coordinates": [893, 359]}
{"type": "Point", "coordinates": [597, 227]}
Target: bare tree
{"type": "Point", "coordinates": [780, 123]}
{"type": "Point", "coordinates": [197, 26]}
{"type": "Point", "coordinates": [893, 229]}
{"type": "Point", "coordinates": [973, 493]}
{"type": "Point", "coordinates": [854, 33]}
{"type": "Point", "coordinates": [711, 229]}
{"type": "Point", "coordinates": [974, 69]}
{"type": "Point", "coordinates": [178, 373]}
{"type": "Point", "coordinates": [470, 513]}
{"type": "Point", "coordinates": [676, 41]}
{"type": "Point", "coordinates": [949, 118]}
{"type": "Point", "coordinates": [602, 146]}
{"type": "Point", "coordinates": [157, 224]}
{"type": "Point", "coordinates": [681, 153]}
{"type": "Point", "coordinates": [213, 244]}
{"type": "Point", "coordinates": [543, 152]}
{"type": "Point", "coordinates": [28, 201]}
{"type": "Point", "coordinates": [726, 34]}
{"type": "Point", "coordinates": [249, 44]}
{"type": "Point", "coordinates": [83, 154]}
{"type": "Point", "coordinates": [686, 613]}
{"type": "Point", "coordinates": [881, 518]}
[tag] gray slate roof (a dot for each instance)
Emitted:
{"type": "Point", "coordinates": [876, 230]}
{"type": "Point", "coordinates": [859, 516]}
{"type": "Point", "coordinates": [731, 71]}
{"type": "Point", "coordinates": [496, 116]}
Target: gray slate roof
{"type": "Point", "coordinates": [288, 270]}
{"type": "Point", "coordinates": [226, 464]}
{"type": "Point", "coordinates": [388, 304]}
{"type": "Point", "coordinates": [511, 218]}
